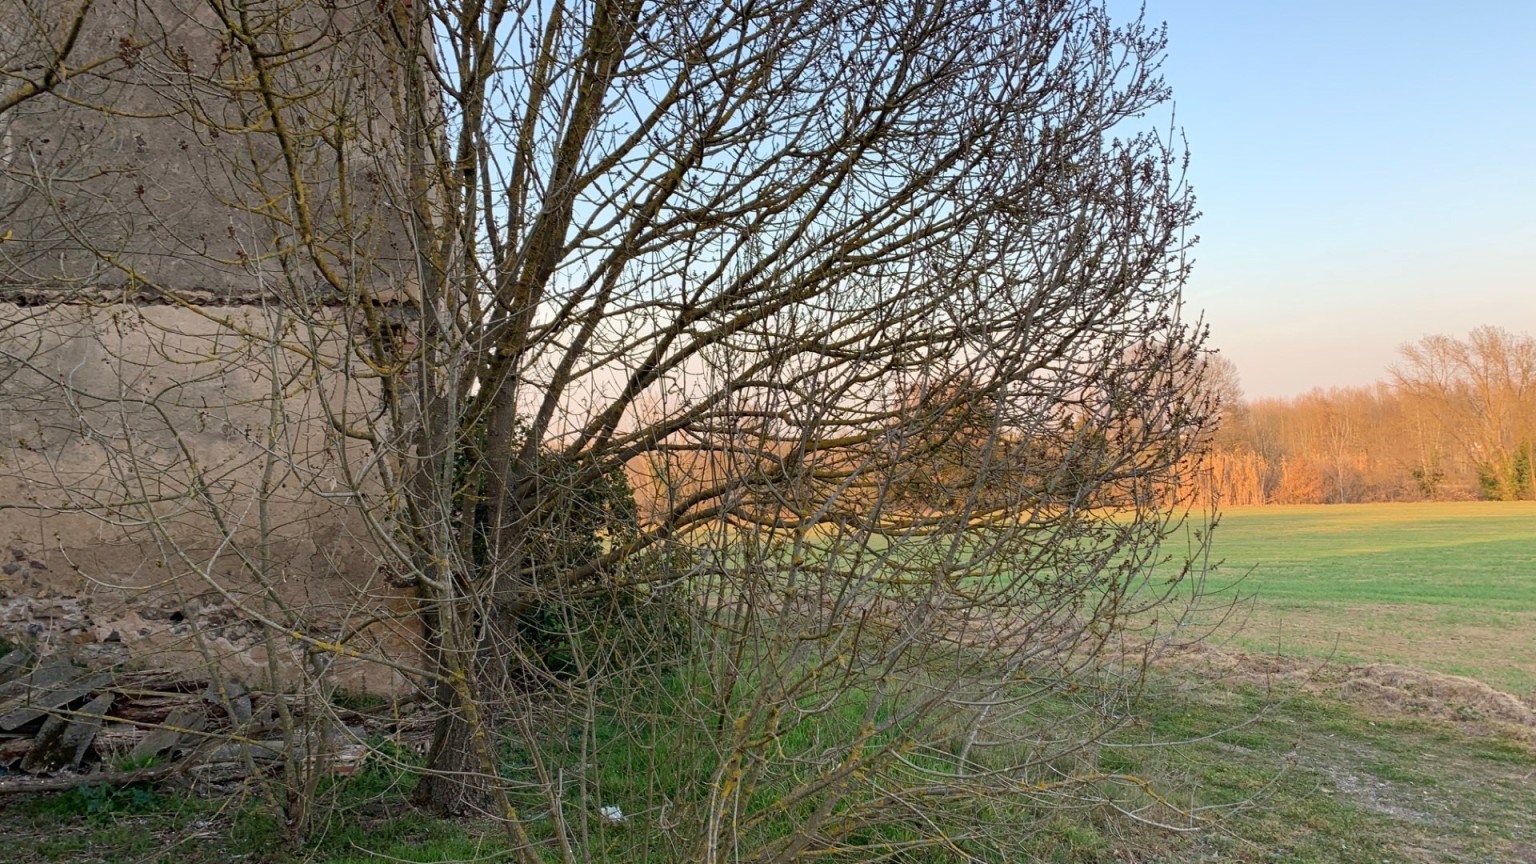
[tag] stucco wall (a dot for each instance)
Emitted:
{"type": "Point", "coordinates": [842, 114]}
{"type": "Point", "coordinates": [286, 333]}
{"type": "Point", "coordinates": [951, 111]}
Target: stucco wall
{"type": "Point", "coordinates": [162, 169]}
{"type": "Point", "coordinates": [152, 453]}
{"type": "Point", "coordinates": [173, 367]}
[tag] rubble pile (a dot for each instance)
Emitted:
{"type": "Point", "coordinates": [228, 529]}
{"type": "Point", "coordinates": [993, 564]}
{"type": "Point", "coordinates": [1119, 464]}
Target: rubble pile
{"type": "Point", "coordinates": [63, 725]}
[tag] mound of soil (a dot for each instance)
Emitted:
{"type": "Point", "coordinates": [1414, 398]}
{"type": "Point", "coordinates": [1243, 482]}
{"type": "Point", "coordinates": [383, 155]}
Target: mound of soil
{"type": "Point", "coordinates": [1384, 688]}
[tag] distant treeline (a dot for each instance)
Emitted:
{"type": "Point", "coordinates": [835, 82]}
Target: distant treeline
{"type": "Point", "coordinates": [1455, 419]}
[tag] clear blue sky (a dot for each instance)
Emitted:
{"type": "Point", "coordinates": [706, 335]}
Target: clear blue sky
{"type": "Point", "coordinates": [1367, 171]}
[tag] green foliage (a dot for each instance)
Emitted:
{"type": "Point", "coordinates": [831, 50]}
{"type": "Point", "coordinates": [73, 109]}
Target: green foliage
{"type": "Point", "coordinates": [360, 702]}
{"type": "Point", "coordinates": [1068, 841]}
{"type": "Point", "coordinates": [127, 762]}
{"type": "Point", "coordinates": [1430, 479]}
{"type": "Point", "coordinates": [99, 801]}
{"type": "Point", "coordinates": [1520, 473]}
{"type": "Point", "coordinates": [611, 619]}
{"type": "Point", "coordinates": [1272, 777]}
{"type": "Point", "coordinates": [621, 627]}
{"type": "Point", "coordinates": [390, 767]}
{"type": "Point", "coordinates": [1510, 479]}
{"type": "Point", "coordinates": [1490, 482]}
{"type": "Point", "coordinates": [257, 827]}
{"type": "Point", "coordinates": [580, 617]}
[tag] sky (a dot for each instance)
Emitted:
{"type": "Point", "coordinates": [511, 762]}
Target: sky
{"type": "Point", "coordinates": [1367, 174]}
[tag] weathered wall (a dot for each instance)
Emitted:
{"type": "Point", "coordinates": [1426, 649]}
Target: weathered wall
{"type": "Point", "coordinates": [162, 169]}
{"type": "Point", "coordinates": [143, 466]}
{"type": "Point", "coordinates": [174, 368]}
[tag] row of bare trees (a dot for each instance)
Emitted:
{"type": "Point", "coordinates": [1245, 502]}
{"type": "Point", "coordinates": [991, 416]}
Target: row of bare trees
{"type": "Point", "coordinates": [476, 268]}
{"type": "Point", "coordinates": [1455, 420]}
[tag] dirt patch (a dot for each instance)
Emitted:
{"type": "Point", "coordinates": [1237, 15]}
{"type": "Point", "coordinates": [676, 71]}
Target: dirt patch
{"type": "Point", "coordinates": [1384, 688]}
{"type": "Point", "coordinates": [1523, 854]}
{"type": "Point", "coordinates": [1375, 795]}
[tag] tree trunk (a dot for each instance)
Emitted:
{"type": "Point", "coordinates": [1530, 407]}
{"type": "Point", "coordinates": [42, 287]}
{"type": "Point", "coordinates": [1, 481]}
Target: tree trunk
{"type": "Point", "coordinates": [457, 781]}
{"type": "Point", "coordinates": [461, 777]}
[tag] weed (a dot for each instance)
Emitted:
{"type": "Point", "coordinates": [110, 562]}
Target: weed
{"type": "Point", "coordinates": [127, 762]}
{"type": "Point", "coordinates": [98, 801]}
{"type": "Point", "coordinates": [1396, 772]}
{"type": "Point", "coordinates": [1300, 778]}
{"type": "Point", "coordinates": [362, 703]}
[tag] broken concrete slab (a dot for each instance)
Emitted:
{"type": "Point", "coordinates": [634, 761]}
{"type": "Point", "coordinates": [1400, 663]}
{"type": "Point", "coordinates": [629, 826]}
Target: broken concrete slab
{"type": "Point", "coordinates": [65, 738]}
{"type": "Point", "coordinates": [180, 730]}
{"type": "Point", "coordinates": [44, 689]}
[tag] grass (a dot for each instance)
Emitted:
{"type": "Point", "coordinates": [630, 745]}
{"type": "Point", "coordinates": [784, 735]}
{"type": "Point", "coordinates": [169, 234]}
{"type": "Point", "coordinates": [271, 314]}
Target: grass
{"type": "Point", "coordinates": [1316, 780]}
{"type": "Point", "coordinates": [1273, 777]}
{"type": "Point", "coordinates": [1445, 587]}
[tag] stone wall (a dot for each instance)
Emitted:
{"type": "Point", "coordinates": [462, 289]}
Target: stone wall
{"type": "Point", "coordinates": [183, 282]}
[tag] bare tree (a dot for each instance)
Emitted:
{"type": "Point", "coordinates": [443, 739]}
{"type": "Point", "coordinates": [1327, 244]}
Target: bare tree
{"type": "Point", "coordinates": [40, 51]}
{"type": "Point", "coordinates": [1484, 389]}
{"type": "Point", "coordinates": [772, 261]}
{"type": "Point", "coordinates": [1456, 419]}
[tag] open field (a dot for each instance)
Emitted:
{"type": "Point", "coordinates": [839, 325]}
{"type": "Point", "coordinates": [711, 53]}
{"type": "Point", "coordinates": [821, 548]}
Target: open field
{"type": "Point", "coordinates": [1445, 587]}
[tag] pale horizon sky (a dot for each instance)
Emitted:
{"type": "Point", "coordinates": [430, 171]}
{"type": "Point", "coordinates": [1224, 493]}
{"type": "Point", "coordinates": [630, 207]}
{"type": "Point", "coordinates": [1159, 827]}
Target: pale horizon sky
{"type": "Point", "coordinates": [1367, 174]}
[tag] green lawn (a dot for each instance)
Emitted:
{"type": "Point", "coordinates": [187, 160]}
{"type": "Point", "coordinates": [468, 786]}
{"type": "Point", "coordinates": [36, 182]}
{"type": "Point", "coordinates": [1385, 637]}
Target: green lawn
{"type": "Point", "coordinates": [1445, 587]}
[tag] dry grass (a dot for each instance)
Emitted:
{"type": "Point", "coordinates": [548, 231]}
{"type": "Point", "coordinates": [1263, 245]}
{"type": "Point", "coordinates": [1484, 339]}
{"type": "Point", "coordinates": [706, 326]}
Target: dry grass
{"type": "Point", "coordinates": [1384, 689]}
